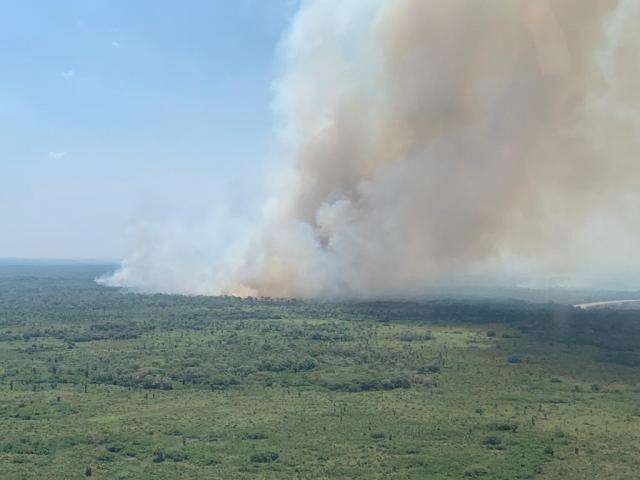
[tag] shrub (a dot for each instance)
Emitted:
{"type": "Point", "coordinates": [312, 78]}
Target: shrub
{"type": "Point", "coordinates": [510, 335]}
{"type": "Point", "coordinates": [222, 382]}
{"type": "Point", "coordinates": [156, 383]}
{"type": "Point", "coordinates": [367, 384]}
{"type": "Point", "coordinates": [265, 457]}
{"type": "Point", "coordinates": [115, 448]}
{"type": "Point", "coordinates": [105, 457]}
{"type": "Point", "coordinates": [415, 337]}
{"type": "Point", "coordinates": [504, 427]}
{"type": "Point", "coordinates": [560, 436]}
{"type": "Point", "coordinates": [430, 369]}
{"type": "Point", "coordinates": [176, 455]}
{"type": "Point", "coordinates": [493, 442]}
{"type": "Point", "coordinates": [158, 456]}
{"type": "Point", "coordinates": [255, 436]}
{"type": "Point", "coordinates": [26, 447]}
{"type": "Point", "coordinates": [287, 365]}
{"type": "Point", "coordinates": [475, 472]}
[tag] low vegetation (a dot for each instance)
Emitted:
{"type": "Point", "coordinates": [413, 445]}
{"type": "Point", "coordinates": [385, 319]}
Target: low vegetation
{"type": "Point", "coordinates": [100, 383]}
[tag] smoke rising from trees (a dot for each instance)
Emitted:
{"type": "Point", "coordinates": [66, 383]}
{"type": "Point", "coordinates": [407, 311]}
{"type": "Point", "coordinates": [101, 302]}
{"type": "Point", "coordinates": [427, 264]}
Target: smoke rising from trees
{"type": "Point", "coordinates": [431, 142]}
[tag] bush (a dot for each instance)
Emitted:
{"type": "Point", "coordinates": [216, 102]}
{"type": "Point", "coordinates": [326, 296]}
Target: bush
{"type": "Point", "coordinates": [222, 382]}
{"type": "Point", "coordinates": [287, 365]}
{"type": "Point", "coordinates": [156, 383]}
{"type": "Point", "coordinates": [265, 457]}
{"type": "Point", "coordinates": [176, 455]}
{"type": "Point", "coordinates": [510, 335]}
{"type": "Point", "coordinates": [415, 337]}
{"type": "Point", "coordinates": [504, 427]}
{"type": "Point", "coordinates": [158, 456]}
{"type": "Point", "coordinates": [255, 436]}
{"type": "Point", "coordinates": [493, 442]}
{"type": "Point", "coordinates": [367, 384]}
{"type": "Point", "coordinates": [560, 436]}
{"type": "Point", "coordinates": [430, 369]}
{"type": "Point", "coordinates": [115, 448]}
{"type": "Point", "coordinates": [475, 472]}
{"type": "Point", "coordinates": [105, 457]}
{"type": "Point", "coordinates": [26, 447]}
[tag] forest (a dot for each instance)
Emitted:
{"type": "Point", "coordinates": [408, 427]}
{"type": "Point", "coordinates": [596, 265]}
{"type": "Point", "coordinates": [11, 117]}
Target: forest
{"type": "Point", "coordinates": [110, 384]}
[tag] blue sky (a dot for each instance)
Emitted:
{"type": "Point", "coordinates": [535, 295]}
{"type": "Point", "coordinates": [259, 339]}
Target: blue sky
{"type": "Point", "coordinates": [117, 111]}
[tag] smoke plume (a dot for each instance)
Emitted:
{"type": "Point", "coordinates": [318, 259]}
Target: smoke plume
{"type": "Point", "coordinates": [433, 141]}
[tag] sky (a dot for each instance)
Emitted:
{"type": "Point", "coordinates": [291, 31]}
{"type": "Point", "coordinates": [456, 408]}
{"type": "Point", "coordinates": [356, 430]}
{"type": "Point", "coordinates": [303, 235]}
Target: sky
{"type": "Point", "coordinates": [115, 113]}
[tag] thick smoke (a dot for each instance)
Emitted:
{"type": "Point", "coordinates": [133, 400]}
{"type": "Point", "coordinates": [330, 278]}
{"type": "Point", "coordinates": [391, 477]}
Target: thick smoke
{"type": "Point", "coordinates": [433, 142]}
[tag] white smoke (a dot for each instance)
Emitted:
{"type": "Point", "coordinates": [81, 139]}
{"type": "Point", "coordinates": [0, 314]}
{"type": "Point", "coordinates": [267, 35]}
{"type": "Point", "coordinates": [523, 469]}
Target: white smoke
{"type": "Point", "coordinates": [431, 141]}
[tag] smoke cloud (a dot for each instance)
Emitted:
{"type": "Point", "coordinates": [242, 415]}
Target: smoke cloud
{"type": "Point", "coordinates": [432, 141]}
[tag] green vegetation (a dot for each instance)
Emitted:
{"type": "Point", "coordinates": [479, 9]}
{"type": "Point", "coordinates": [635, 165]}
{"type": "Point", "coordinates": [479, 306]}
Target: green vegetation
{"type": "Point", "coordinates": [96, 382]}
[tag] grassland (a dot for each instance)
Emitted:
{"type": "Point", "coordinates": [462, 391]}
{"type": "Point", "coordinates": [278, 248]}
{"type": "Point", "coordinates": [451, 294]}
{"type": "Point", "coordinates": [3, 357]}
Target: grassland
{"type": "Point", "coordinates": [99, 383]}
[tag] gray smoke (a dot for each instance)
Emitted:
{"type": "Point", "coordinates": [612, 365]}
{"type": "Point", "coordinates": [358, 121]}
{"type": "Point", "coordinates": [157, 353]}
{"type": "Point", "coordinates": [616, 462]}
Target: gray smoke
{"type": "Point", "coordinates": [436, 141]}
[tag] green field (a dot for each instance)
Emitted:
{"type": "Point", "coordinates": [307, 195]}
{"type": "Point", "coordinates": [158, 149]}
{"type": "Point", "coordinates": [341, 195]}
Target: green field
{"type": "Point", "coordinates": [96, 382]}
